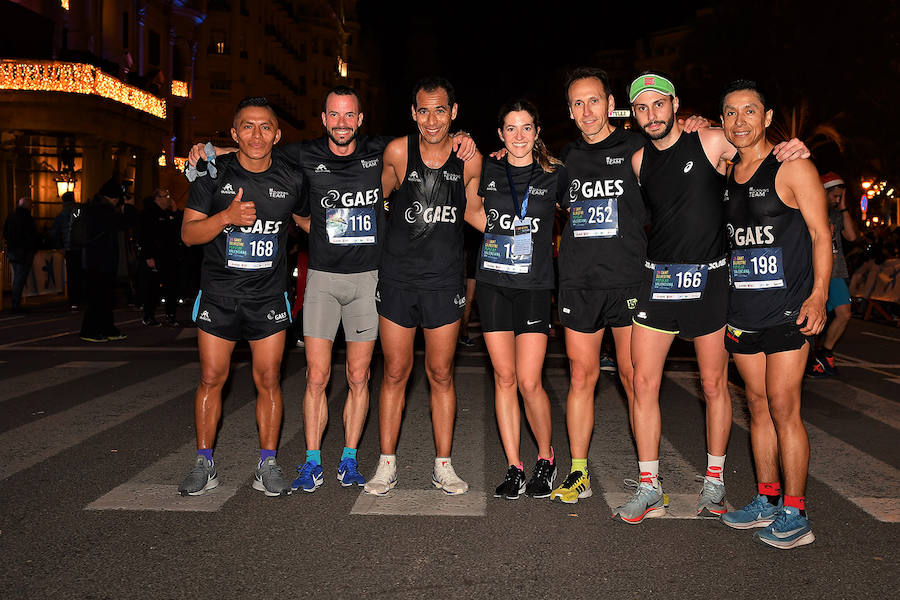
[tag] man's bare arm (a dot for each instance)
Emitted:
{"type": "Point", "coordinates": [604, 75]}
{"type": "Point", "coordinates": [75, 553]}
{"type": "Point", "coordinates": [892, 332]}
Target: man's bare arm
{"type": "Point", "coordinates": [394, 165]}
{"type": "Point", "coordinates": [198, 228]}
{"type": "Point", "coordinates": [198, 153]}
{"type": "Point", "coordinates": [474, 203]}
{"type": "Point", "coordinates": [637, 160]}
{"type": "Point", "coordinates": [807, 194]}
{"type": "Point", "coordinates": [302, 222]}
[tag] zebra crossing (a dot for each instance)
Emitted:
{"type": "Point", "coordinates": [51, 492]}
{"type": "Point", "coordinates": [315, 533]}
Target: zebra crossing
{"type": "Point", "coordinates": [838, 463]}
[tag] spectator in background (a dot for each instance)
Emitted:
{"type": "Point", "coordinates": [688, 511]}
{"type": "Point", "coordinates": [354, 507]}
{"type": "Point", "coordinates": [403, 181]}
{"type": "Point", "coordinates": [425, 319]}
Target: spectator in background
{"type": "Point", "coordinates": [21, 243]}
{"type": "Point", "coordinates": [61, 234]}
{"type": "Point", "coordinates": [158, 236]}
{"type": "Point", "coordinates": [110, 213]}
{"type": "Point", "coordinates": [842, 226]}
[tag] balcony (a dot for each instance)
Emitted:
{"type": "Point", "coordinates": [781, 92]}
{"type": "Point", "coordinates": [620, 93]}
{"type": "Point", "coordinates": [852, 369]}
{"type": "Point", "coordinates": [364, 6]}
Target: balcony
{"type": "Point", "coordinates": [76, 78]}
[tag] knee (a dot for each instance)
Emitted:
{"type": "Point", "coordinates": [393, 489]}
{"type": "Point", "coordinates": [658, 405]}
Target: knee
{"type": "Point", "coordinates": [267, 378]}
{"type": "Point", "coordinates": [713, 387]}
{"type": "Point", "coordinates": [505, 379]}
{"type": "Point", "coordinates": [317, 378]}
{"type": "Point", "coordinates": [645, 384]}
{"type": "Point", "coordinates": [784, 411]}
{"type": "Point", "coordinates": [357, 377]}
{"type": "Point", "coordinates": [530, 386]}
{"type": "Point", "coordinates": [757, 402]}
{"type": "Point", "coordinates": [583, 374]}
{"type": "Point", "coordinates": [842, 314]}
{"type": "Point", "coordinates": [440, 375]}
{"type": "Point", "coordinates": [213, 378]}
{"type": "Point", "coordinates": [396, 373]}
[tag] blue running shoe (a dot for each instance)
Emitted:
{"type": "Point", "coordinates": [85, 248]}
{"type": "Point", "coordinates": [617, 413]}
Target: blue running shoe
{"type": "Point", "coordinates": [310, 477]}
{"type": "Point", "coordinates": [759, 513]}
{"type": "Point", "coordinates": [788, 530]}
{"type": "Point", "coordinates": [348, 473]}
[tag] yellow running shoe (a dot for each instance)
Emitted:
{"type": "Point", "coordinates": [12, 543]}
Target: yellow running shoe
{"type": "Point", "coordinates": [576, 486]}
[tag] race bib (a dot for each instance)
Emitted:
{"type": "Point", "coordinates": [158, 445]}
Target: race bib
{"type": "Point", "coordinates": [497, 254]}
{"type": "Point", "coordinates": [250, 251]}
{"type": "Point", "coordinates": [678, 282]}
{"type": "Point", "coordinates": [597, 217]}
{"type": "Point", "coordinates": [351, 226]}
{"type": "Point", "coordinates": [757, 268]}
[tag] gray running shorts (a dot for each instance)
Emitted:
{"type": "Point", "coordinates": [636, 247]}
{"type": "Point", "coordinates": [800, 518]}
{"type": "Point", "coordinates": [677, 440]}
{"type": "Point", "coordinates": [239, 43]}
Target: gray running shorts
{"type": "Point", "coordinates": [332, 298]}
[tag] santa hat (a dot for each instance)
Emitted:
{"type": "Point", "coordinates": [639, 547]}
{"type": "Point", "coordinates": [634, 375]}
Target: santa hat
{"type": "Point", "coordinates": [831, 179]}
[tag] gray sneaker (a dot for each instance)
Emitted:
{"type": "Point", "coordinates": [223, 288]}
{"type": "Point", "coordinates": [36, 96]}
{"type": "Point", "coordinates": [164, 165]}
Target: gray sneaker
{"type": "Point", "coordinates": [202, 478]}
{"type": "Point", "coordinates": [647, 502]}
{"type": "Point", "coordinates": [269, 478]}
{"type": "Point", "coordinates": [711, 504]}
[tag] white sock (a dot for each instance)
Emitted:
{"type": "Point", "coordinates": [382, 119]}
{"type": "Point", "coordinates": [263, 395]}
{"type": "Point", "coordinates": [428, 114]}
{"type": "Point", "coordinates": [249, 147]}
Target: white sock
{"type": "Point", "coordinates": [649, 471]}
{"type": "Point", "coordinates": [441, 461]}
{"type": "Point", "coordinates": [715, 467]}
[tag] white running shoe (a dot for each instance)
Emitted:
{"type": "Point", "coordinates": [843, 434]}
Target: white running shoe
{"type": "Point", "coordinates": [445, 478]}
{"type": "Point", "coordinates": [385, 478]}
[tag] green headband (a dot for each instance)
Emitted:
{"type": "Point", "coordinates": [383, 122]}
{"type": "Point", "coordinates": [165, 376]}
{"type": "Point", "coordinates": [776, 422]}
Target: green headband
{"type": "Point", "coordinates": [650, 81]}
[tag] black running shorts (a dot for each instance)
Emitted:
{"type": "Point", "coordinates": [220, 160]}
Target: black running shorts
{"type": "Point", "coordinates": [419, 308]}
{"type": "Point", "coordinates": [511, 309]}
{"type": "Point", "coordinates": [686, 318]}
{"type": "Point", "coordinates": [780, 338]}
{"type": "Point", "coordinates": [589, 311]}
{"type": "Point", "coordinates": [241, 318]}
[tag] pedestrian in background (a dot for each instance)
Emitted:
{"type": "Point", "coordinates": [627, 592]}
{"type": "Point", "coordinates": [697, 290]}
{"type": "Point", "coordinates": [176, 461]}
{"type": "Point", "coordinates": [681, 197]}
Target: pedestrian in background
{"type": "Point", "coordinates": [158, 238]}
{"type": "Point", "coordinates": [61, 234]}
{"type": "Point", "coordinates": [21, 244]}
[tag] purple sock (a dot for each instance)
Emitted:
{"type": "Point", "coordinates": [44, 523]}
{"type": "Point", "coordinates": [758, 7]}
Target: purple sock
{"type": "Point", "coordinates": [205, 452]}
{"type": "Point", "coordinates": [264, 454]}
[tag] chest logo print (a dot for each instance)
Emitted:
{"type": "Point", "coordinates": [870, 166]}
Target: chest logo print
{"type": "Point", "coordinates": [688, 166]}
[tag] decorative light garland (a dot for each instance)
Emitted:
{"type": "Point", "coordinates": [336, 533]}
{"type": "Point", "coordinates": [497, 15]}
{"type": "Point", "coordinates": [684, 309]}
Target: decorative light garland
{"type": "Point", "coordinates": [180, 88]}
{"type": "Point", "coordinates": [76, 78]}
{"type": "Point", "coordinates": [179, 162]}
{"type": "Point", "coordinates": [64, 4]}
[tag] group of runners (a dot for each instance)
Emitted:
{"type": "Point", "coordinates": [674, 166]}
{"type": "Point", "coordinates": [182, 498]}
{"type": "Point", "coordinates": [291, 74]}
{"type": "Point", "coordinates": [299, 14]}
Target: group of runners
{"type": "Point", "coordinates": [737, 258]}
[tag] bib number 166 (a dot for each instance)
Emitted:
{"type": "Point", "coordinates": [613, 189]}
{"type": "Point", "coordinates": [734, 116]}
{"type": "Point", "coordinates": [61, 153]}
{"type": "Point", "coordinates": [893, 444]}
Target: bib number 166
{"type": "Point", "coordinates": [688, 279]}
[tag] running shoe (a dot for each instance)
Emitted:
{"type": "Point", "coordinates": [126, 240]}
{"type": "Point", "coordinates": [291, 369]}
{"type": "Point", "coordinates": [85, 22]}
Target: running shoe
{"type": "Point", "coordinates": [385, 478]}
{"type": "Point", "coordinates": [310, 477]}
{"type": "Point", "coordinates": [269, 478]}
{"type": "Point", "coordinates": [90, 337]}
{"type": "Point", "coordinates": [445, 478]}
{"type": "Point", "coordinates": [828, 362]}
{"type": "Point", "coordinates": [607, 363]}
{"type": "Point", "coordinates": [542, 476]}
{"type": "Point", "coordinates": [576, 487]}
{"type": "Point", "coordinates": [711, 504]}
{"type": "Point", "coordinates": [169, 321]}
{"type": "Point", "coordinates": [348, 473]}
{"type": "Point", "coordinates": [466, 341]}
{"type": "Point", "coordinates": [817, 369]}
{"type": "Point", "coordinates": [759, 513]}
{"type": "Point", "coordinates": [116, 336]}
{"type": "Point", "coordinates": [789, 530]}
{"type": "Point", "coordinates": [151, 322]}
{"type": "Point", "coordinates": [513, 485]}
{"type": "Point", "coordinates": [647, 502]}
{"type": "Point", "coordinates": [201, 479]}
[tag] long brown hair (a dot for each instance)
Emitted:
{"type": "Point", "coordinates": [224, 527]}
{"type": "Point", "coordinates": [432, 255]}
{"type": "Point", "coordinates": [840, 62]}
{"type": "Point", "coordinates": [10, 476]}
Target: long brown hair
{"type": "Point", "coordinates": [547, 161]}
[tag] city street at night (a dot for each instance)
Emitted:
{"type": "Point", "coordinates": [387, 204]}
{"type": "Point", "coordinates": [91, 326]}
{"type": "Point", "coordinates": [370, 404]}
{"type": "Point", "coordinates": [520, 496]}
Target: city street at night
{"type": "Point", "coordinates": [96, 437]}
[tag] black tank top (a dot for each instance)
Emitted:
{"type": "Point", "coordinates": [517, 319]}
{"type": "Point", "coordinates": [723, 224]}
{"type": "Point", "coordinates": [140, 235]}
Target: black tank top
{"type": "Point", "coordinates": [771, 252]}
{"type": "Point", "coordinates": [424, 244]}
{"type": "Point", "coordinates": [683, 192]}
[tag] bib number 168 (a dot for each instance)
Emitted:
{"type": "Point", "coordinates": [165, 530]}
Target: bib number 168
{"type": "Point", "coordinates": [262, 248]}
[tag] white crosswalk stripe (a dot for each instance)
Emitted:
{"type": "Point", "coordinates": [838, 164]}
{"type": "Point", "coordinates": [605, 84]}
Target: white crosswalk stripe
{"type": "Point", "coordinates": [236, 454]}
{"type": "Point", "coordinates": [612, 456]}
{"type": "Point", "coordinates": [26, 383]}
{"type": "Point", "coordinates": [414, 494]}
{"type": "Point", "coordinates": [864, 480]}
{"type": "Point", "coordinates": [30, 444]}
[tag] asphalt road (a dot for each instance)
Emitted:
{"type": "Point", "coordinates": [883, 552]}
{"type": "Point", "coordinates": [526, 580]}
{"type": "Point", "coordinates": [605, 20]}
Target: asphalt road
{"type": "Point", "coordinates": [96, 437]}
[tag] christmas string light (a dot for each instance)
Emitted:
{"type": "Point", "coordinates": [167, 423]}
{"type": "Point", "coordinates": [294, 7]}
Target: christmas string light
{"type": "Point", "coordinates": [180, 88]}
{"type": "Point", "coordinates": [76, 78]}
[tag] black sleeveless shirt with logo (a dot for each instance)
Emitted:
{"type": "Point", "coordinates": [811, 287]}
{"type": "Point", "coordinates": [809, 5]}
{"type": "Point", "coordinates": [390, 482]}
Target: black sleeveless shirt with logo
{"type": "Point", "coordinates": [683, 193]}
{"type": "Point", "coordinates": [424, 244]}
{"type": "Point", "coordinates": [603, 242]}
{"type": "Point", "coordinates": [343, 199]}
{"type": "Point", "coordinates": [771, 252]}
{"type": "Point", "coordinates": [497, 263]}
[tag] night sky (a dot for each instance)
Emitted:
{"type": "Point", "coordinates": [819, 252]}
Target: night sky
{"type": "Point", "coordinates": [839, 62]}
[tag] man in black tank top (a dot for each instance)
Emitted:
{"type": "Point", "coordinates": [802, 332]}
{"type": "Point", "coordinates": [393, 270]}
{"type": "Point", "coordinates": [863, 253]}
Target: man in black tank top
{"type": "Point", "coordinates": [685, 286]}
{"type": "Point", "coordinates": [421, 276]}
{"type": "Point", "coordinates": [780, 268]}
